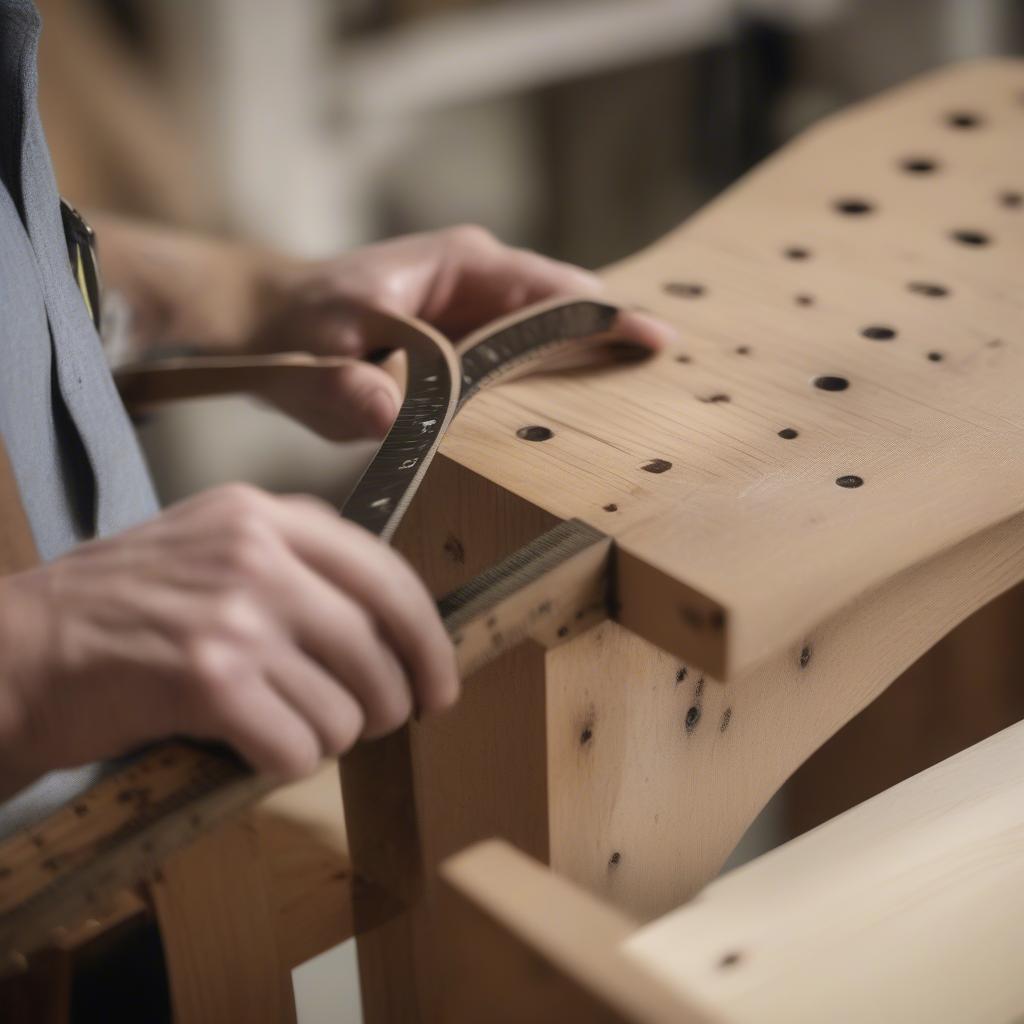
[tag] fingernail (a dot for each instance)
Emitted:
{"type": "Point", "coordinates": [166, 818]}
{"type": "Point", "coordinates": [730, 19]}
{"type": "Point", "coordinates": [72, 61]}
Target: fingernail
{"type": "Point", "coordinates": [379, 409]}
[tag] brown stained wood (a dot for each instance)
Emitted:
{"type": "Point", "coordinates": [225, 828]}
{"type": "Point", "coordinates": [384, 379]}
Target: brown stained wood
{"type": "Point", "coordinates": [909, 907]}
{"type": "Point", "coordinates": [746, 541]}
{"type": "Point", "coordinates": [41, 994]}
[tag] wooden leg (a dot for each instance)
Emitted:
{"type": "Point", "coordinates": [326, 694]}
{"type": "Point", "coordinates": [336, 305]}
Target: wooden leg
{"type": "Point", "coordinates": [217, 924]}
{"type": "Point", "coordinates": [247, 903]}
{"type": "Point", "coordinates": [40, 995]}
{"type": "Point", "coordinates": [628, 771]}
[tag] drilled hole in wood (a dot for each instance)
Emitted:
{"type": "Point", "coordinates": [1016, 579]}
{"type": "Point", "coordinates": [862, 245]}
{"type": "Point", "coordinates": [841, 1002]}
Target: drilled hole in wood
{"type": "Point", "coordinates": [803, 299]}
{"type": "Point", "coordinates": [935, 357]}
{"type": "Point", "coordinates": [611, 507]}
{"type": "Point", "coordinates": [681, 674]}
{"type": "Point", "coordinates": [849, 480]}
{"type": "Point", "coordinates": [788, 433]}
{"type": "Point", "coordinates": [657, 466]}
{"type": "Point", "coordinates": [963, 119]}
{"type": "Point", "coordinates": [830, 383]}
{"type": "Point", "coordinates": [614, 859]}
{"type": "Point", "coordinates": [796, 252]}
{"type": "Point", "coordinates": [454, 550]}
{"type": "Point", "coordinates": [928, 288]}
{"type": "Point", "coordinates": [692, 717]}
{"type": "Point", "coordinates": [805, 655]}
{"type": "Point", "coordinates": [684, 289]}
{"type": "Point", "coordinates": [970, 236]}
{"type": "Point", "coordinates": [1011, 199]}
{"type": "Point", "coordinates": [853, 207]}
{"type": "Point", "coordinates": [743, 350]}
{"type": "Point", "coordinates": [534, 434]}
{"type": "Point", "coordinates": [919, 165]}
{"type": "Point", "coordinates": [586, 736]}
{"type": "Point", "coordinates": [879, 332]}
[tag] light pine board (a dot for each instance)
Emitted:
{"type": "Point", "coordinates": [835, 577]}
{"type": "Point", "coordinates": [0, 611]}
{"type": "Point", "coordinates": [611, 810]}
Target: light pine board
{"type": "Point", "coordinates": [909, 907]}
{"type": "Point", "coordinates": [746, 541]}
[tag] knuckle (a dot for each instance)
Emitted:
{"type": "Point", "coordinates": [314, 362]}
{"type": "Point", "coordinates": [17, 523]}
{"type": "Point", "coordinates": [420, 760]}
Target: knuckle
{"type": "Point", "coordinates": [295, 759]}
{"type": "Point", "coordinates": [237, 496]}
{"type": "Point", "coordinates": [211, 672]}
{"type": "Point", "coordinates": [249, 543]}
{"type": "Point", "coordinates": [473, 236]}
{"type": "Point", "coordinates": [235, 617]}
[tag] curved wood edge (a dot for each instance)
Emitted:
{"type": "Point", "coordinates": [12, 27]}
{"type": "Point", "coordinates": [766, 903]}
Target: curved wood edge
{"type": "Point", "coordinates": [910, 906]}
{"type": "Point", "coordinates": [700, 758]}
{"type": "Point", "coordinates": [907, 907]}
{"type": "Point", "coordinates": [527, 945]}
{"type": "Point", "coordinates": [780, 713]}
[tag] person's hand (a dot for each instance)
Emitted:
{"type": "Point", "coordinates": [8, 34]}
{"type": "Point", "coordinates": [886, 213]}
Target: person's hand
{"type": "Point", "coordinates": [267, 623]}
{"type": "Point", "coordinates": [458, 279]}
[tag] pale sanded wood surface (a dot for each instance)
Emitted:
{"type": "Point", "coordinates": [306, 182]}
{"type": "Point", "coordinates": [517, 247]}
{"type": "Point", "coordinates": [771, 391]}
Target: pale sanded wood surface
{"type": "Point", "coordinates": [630, 772]}
{"type": "Point", "coordinates": [746, 541]}
{"type": "Point", "coordinates": [909, 907]}
{"type": "Point", "coordinates": [528, 948]}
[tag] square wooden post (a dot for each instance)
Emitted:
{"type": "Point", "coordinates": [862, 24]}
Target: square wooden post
{"type": "Point", "coordinates": [569, 754]}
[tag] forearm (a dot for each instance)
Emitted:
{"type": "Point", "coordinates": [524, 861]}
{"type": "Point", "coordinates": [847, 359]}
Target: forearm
{"type": "Point", "coordinates": [184, 289]}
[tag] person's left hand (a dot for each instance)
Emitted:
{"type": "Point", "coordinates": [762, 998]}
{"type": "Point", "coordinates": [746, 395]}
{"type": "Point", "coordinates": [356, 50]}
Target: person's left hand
{"type": "Point", "coordinates": [457, 280]}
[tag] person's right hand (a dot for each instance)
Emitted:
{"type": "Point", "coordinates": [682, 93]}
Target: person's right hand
{"type": "Point", "coordinates": [268, 623]}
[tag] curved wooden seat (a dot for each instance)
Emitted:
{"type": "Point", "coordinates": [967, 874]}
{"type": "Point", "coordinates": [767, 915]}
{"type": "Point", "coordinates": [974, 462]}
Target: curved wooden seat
{"type": "Point", "coordinates": [880, 254]}
{"type": "Point", "coordinates": [909, 907]}
{"type": "Point", "coordinates": [820, 480]}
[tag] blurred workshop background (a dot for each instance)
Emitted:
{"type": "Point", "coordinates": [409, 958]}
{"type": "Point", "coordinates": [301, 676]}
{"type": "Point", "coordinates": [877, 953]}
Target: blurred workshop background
{"type": "Point", "coordinates": [583, 128]}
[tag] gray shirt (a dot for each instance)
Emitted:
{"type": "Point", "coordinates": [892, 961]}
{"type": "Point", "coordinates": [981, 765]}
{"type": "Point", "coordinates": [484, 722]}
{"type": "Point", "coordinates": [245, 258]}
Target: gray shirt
{"type": "Point", "coordinates": [75, 457]}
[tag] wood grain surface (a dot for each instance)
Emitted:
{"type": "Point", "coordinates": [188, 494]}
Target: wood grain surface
{"type": "Point", "coordinates": [909, 907]}
{"type": "Point", "coordinates": [881, 251]}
